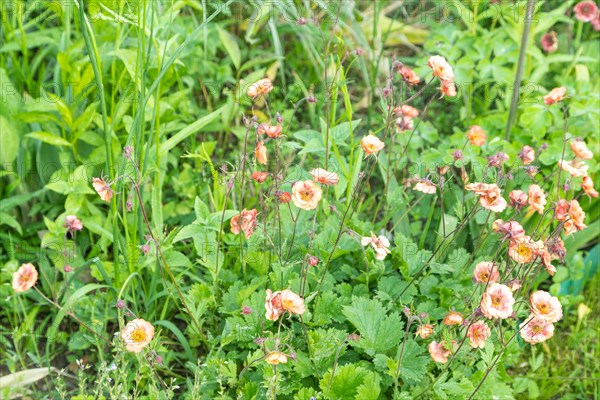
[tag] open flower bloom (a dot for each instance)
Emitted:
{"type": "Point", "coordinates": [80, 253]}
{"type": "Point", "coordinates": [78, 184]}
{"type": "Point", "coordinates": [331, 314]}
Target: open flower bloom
{"type": "Point", "coordinates": [404, 124]}
{"type": "Point", "coordinates": [556, 247]}
{"type": "Point", "coordinates": [547, 258]}
{"type": "Point", "coordinates": [476, 135]}
{"type": "Point", "coordinates": [497, 301]}
{"type": "Point", "coordinates": [561, 211]}
{"type": "Point", "coordinates": [24, 278]}
{"type": "Point", "coordinates": [277, 303]}
{"type": "Point", "coordinates": [550, 42]}
{"type": "Point", "coordinates": [244, 222]}
{"type": "Point", "coordinates": [489, 196]}
{"type": "Point", "coordinates": [576, 216]}
{"type": "Point", "coordinates": [536, 330]}
{"type": "Point", "coordinates": [425, 186]}
{"type": "Point", "coordinates": [371, 144]}
{"type": "Point", "coordinates": [272, 131]}
{"type": "Point", "coordinates": [409, 75]}
{"type": "Point", "coordinates": [545, 306]}
{"type": "Point", "coordinates": [137, 334]}
{"type": "Point", "coordinates": [380, 244]}
{"type": "Point", "coordinates": [424, 331]}
{"type": "Point", "coordinates": [259, 176]}
{"type": "Point", "coordinates": [261, 153]}
{"type": "Point", "coordinates": [555, 95]}
{"type": "Point", "coordinates": [581, 151]}
{"type": "Point", "coordinates": [441, 68]}
{"type": "Point", "coordinates": [588, 187]}
{"type": "Point", "coordinates": [527, 155]}
{"type": "Point", "coordinates": [103, 189]}
{"type": "Point", "coordinates": [72, 223]}
{"type": "Point", "coordinates": [536, 198]}
{"type": "Point", "coordinates": [453, 318]}
{"type": "Point", "coordinates": [306, 195]}
{"type": "Point", "coordinates": [510, 230]}
{"type": "Point", "coordinates": [574, 167]}
{"type": "Point", "coordinates": [448, 88]}
{"type": "Point", "coordinates": [406, 111]}
{"type": "Point", "coordinates": [478, 333]}
{"type": "Point", "coordinates": [585, 10]}
{"type": "Point", "coordinates": [276, 357]}
{"type": "Point", "coordinates": [525, 250]}
{"type": "Point", "coordinates": [485, 272]}
{"type": "Point", "coordinates": [518, 199]}
{"type": "Point", "coordinates": [284, 197]}
{"type": "Point", "coordinates": [324, 177]}
{"type": "Point", "coordinates": [262, 87]}
{"type": "Point", "coordinates": [438, 352]}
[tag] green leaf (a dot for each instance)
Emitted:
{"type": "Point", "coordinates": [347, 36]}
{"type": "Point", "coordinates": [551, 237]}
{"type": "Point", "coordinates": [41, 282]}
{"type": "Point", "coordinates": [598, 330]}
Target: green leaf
{"type": "Point", "coordinates": [189, 130]}
{"type": "Point", "coordinates": [9, 140]}
{"type": "Point", "coordinates": [351, 382]}
{"type": "Point", "coordinates": [49, 138]}
{"type": "Point", "coordinates": [379, 332]}
{"type": "Point", "coordinates": [230, 43]}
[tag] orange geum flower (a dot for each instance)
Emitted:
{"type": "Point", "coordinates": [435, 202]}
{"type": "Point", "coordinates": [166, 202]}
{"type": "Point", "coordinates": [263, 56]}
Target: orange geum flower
{"type": "Point", "coordinates": [453, 318]}
{"type": "Point", "coordinates": [409, 75]}
{"type": "Point", "coordinates": [261, 153]}
{"type": "Point", "coordinates": [476, 135]}
{"type": "Point", "coordinates": [424, 331]}
{"type": "Point", "coordinates": [306, 195]}
{"type": "Point", "coordinates": [438, 352]}
{"type": "Point", "coordinates": [441, 68]}
{"type": "Point", "coordinates": [272, 131]}
{"type": "Point", "coordinates": [259, 176]}
{"type": "Point", "coordinates": [371, 144]}
{"type": "Point", "coordinates": [24, 278]}
{"type": "Point", "coordinates": [103, 189]}
{"type": "Point", "coordinates": [381, 245]}
{"type": "Point", "coordinates": [72, 223]}
{"type": "Point", "coordinates": [448, 88]}
{"type": "Point", "coordinates": [510, 230]}
{"type": "Point", "coordinates": [262, 87]}
{"type": "Point", "coordinates": [588, 187]}
{"type": "Point", "coordinates": [324, 177]}
{"type": "Point", "coordinates": [273, 305]}
{"type": "Point", "coordinates": [518, 199]}
{"type": "Point", "coordinates": [478, 333]}
{"type": "Point", "coordinates": [406, 111]}
{"type": "Point", "coordinates": [485, 272]}
{"type": "Point", "coordinates": [425, 186]}
{"type": "Point", "coordinates": [536, 330]}
{"type": "Point", "coordinates": [555, 95]}
{"type": "Point", "coordinates": [497, 301]}
{"type": "Point", "coordinates": [137, 334]}
{"type": "Point", "coordinates": [245, 221]}
{"type": "Point", "coordinates": [527, 155]}
{"type": "Point", "coordinates": [574, 167]}
{"type": "Point", "coordinates": [545, 306]}
{"type": "Point", "coordinates": [276, 357]}
{"type": "Point", "coordinates": [581, 151]}
{"type": "Point", "coordinates": [586, 11]}
{"type": "Point", "coordinates": [525, 250]}
{"type": "Point", "coordinates": [577, 215]}
{"type": "Point", "coordinates": [291, 302]}
{"type": "Point", "coordinates": [536, 198]}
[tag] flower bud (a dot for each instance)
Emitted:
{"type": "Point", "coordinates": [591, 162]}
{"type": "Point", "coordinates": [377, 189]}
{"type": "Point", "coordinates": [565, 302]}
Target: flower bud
{"type": "Point", "coordinates": [120, 304]}
{"type": "Point", "coordinates": [313, 261]}
{"type": "Point", "coordinates": [246, 310]}
{"type": "Point", "coordinates": [68, 268]}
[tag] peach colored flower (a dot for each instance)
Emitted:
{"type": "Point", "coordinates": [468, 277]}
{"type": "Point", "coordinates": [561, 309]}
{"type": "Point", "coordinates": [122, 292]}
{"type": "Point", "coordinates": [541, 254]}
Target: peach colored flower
{"type": "Point", "coordinates": [291, 302]}
{"type": "Point", "coordinates": [574, 167]}
{"type": "Point", "coordinates": [556, 247]}
{"type": "Point", "coordinates": [510, 230]}
{"type": "Point", "coordinates": [261, 153]}
{"type": "Point", "coordinates": [485, 272]}
{"type": "Point", "coordinates": [547, 258]}
{"type": "Point", "coordinates": [576, 216]}
{"type": "Point", "coordinates": [137, 334]}
{"type": "Point", "coordinates": [453, 318]}
{"type": "Point", "coordinates": [404, 124]}
{"type": "Point", "coordinates": [406, 111]}
{"type": "Point", "coordinates": [596, 21]}
{"type": "Point", "coordinates": [438, 352]}
{"type": "Point", "coordinates": [476, 135]}
{"type": "Point", "coordinates": [489, 196]}
{"type": "Point", "coordinates": [536, 330]}
{"type": "Point", "coordinates": [103, 189]}
{"type": "Point", "coordinates": [478, 333]}
{"type": "Point", "coordinates": [497, 301]}
{"type": "Point", "coordinates": [448, 88]}
{"type": "Point", "coordinates": [306, 195]}
{"type": "Point", "coordinates": [545, 306]}
{"type": "Point", "coordinates": [72, 223]}
{"type": "Point", "coordinates": [581, 151]}
{"type": "Point", "coordinates": [24, 278]}
{"type": "Point", "coordinates": [550, 42]}
{"type": "Point", "coordinates": [536, 198]}
{"type": "Point", "coordinates": [371, 144]}
{"type": "Point", "coordinates": [272, 131]}
{"type": "Point", "coordinates": [585, 10]}
{"type": "Point", "coordinates": [424, 331]}
{"type": "Point", "coordinates": [518, 199]}
{"type": "Point", "coordinates": [441, 68]}
{"type": "Point", "coordinates": [262, 87]}
{"type": "Point", "coordinates": [324, 177]}
{"type": "Point", "coordinates": [409, 75]}
{"type": "Point", "coordinates": [273, 305]}
{"type": "Point", "coordinates": [259, 176]}
{"type": "Point", "coordinates": [276, 357]}
{"type": "Point", "coordinates": [555, 95]}
{"type": "Point", "coordinates": [588, 186]}
{"type": "Point", "coordinates": [284, 197]}
{"type": "Point", "coordinates": [525, 250]}
{"type": "Point", "coordinates": [245, 221]}
{"type": "Point", "coordinates": [527, 155]}
{"type": "Point", "coordinates": [561, 211]}
{"type": "Point", "coordinates": [381, 245]}
{"type": "Point", "coordinates": [425, 186]}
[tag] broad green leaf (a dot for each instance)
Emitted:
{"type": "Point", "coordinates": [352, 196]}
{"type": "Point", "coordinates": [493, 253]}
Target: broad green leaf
{"type": "Point", "coordinates": [230, 43]}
